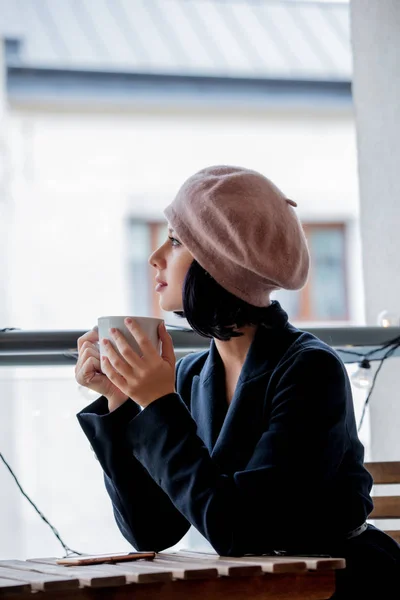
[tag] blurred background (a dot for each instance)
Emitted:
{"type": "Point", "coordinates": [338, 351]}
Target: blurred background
{"type": "Point", "coordinates": [111, 105]}
{"type": "Point", "coordinates": [106, 107]}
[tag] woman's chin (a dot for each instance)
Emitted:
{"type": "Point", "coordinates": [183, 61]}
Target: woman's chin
{"type": "Point", "coordinates": [169, 306]}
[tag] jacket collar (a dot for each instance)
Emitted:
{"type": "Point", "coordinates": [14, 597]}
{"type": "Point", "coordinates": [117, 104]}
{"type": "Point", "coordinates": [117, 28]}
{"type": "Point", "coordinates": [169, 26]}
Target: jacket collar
{"type": "Point", "coordinates": [230, 431]}
{"type": "Point", "coordinates": [264, 348]}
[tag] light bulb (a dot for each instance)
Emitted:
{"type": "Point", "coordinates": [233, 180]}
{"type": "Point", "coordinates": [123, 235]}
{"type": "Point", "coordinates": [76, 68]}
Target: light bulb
{"type": "Point", "coordinates": [362, 378]}
{"type": "Point", "coordinates": [388, 319]}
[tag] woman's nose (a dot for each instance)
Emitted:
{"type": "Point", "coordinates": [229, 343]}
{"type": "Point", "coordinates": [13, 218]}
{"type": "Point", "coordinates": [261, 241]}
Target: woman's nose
{"type": "Point", "coordinates": [156, 259]}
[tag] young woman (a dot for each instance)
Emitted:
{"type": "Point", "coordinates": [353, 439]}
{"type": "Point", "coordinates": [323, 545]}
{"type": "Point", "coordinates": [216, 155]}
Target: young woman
{"type": "Point", "coordinates": [254, 441]}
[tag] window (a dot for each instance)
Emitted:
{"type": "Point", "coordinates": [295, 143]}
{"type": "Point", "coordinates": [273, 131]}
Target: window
{"type": "Point", "coordinates": [143, 238]}
{"type": "Point", "coordinates": [139, 249]}
{"type": "Point", "coordinates": [324, 297]}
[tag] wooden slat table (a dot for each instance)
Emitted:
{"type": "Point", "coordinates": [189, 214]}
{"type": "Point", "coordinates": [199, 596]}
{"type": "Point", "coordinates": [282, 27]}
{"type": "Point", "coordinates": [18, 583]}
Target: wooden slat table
{"type": "Point", "coordinates": [177, 576]}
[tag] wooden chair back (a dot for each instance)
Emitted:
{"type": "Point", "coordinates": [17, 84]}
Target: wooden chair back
{"type": "Point", "coordinates": [386, 507]}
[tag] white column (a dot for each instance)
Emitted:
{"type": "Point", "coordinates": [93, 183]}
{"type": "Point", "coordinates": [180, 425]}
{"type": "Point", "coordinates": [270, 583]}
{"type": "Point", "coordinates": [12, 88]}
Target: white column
{"type": "Point", "coordinates": [10, 497]}
{"type": "Point", "coordinates": [376, 89]}
{"type": "Point", "coordinates": [4, 198]}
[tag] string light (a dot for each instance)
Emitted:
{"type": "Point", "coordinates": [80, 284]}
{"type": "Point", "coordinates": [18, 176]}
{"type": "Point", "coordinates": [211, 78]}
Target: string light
{"type": "Point", "coordinates": [362, 378]}
{"type": "Point", "coordinates": [67, 549]}
{"type": "Point", "coordinates": [388, 319]}
{"type": "Point", "coordinates": [390, 348]}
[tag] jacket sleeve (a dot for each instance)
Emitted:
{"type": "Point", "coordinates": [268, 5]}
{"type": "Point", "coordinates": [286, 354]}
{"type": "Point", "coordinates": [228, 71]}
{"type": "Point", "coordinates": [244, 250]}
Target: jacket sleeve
{"type": "Point", "coordinates": [144, 513]}
{"type": "Point", "coordinates": [288, 476]}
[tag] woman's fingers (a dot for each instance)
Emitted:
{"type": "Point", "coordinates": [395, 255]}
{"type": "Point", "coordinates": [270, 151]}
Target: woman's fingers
{"type": "Point", "coordinates": [90, 336]}
{"type": "Point", "coordinates": [113, 375]}
{"type": "Point", "coordinates": [84, 364]}
{"type": "Point", "coordinates": [94, 351]}
{"type": "Point", "coordinates": [91, 353]}
{"type": "Point", "coordinates": [146, 347]}
{"type": "Point", "coordinates": [90, 345]}
{"type": "Point", "coordinates": [123, 347]}
{"type": "Point", "coordinates": [119, 361]}
{"type": "Point", "coordinates": [89, 369]}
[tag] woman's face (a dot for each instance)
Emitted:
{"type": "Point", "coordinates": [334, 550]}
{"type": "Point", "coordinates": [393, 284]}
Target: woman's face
{"type": "Point", "coordinates": [172, 261]}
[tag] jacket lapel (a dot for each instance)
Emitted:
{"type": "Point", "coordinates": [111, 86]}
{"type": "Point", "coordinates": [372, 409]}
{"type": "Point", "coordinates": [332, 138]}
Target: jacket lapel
{"type": "Point", "coordinates": [243, 422]}
{"type": "Point", "coordinates": [208, 406]}
{"type": "Point", "coordinates": [230, 432]}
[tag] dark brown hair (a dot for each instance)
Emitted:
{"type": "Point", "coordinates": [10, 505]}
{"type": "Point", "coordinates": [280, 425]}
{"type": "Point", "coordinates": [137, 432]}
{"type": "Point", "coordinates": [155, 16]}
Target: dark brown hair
{"type": "Point", "coordinates": [212, 311]}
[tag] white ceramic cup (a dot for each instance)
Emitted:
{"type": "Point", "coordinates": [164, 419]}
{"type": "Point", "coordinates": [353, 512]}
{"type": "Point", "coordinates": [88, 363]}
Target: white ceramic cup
{"type": "Point", "coordinates": [148, 324]}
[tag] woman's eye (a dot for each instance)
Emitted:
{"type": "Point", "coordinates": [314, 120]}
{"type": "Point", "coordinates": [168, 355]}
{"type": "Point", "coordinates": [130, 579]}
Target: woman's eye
{"type": "Point", "coordinates": [174, 240]}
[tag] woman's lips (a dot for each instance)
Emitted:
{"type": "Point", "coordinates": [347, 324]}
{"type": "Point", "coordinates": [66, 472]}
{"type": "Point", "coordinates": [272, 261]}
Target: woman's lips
{"type": "Point", "coordinates": [160, 286]}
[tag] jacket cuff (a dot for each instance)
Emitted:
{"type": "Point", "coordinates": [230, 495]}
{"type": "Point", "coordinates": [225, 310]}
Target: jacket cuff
{"type": "Point", "coordinates": [107, 432]}
{"type": "Point", "coordinates": [166, 421]}
{"type": "Point", "coordinates": [96, 420]}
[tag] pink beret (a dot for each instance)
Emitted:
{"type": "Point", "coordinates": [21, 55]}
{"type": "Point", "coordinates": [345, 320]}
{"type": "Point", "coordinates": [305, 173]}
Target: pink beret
{"type": "Point", "coordinates": [243, 230]}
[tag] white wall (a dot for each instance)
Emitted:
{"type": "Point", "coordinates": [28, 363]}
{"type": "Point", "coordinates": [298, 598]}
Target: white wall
{"type": "Point", "coordinates": [10, 503]}
{"type": "Point", "coordinates": [376, 88]}
{"type": "Point", "coordinates": [5, 200]}
{"type": "Point", "coordinates": [78, 175]}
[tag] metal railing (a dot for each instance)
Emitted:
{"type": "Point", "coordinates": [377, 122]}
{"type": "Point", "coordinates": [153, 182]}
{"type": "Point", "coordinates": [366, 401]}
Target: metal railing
{"type": "Point", "coordinates": [51, 348]}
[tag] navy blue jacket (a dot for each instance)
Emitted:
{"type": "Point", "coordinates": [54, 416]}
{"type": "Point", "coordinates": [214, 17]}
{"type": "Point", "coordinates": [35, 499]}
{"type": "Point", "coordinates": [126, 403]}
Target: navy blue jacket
{"type": "Point", "coordinates": [280, 468]}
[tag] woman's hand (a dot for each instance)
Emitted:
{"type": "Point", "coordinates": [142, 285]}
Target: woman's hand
{"type": "Point", "coordinates": [88, 372]}
{"type": "Point", "coordinates": [141, 378]}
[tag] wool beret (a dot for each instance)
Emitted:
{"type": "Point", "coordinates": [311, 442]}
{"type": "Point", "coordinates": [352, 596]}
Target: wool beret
{"type": "Point", "coordinates": [243, 230]}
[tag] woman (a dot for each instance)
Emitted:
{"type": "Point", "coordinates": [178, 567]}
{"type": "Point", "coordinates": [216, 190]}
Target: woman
{"type": "Point", "coordinates": [253, 441]}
